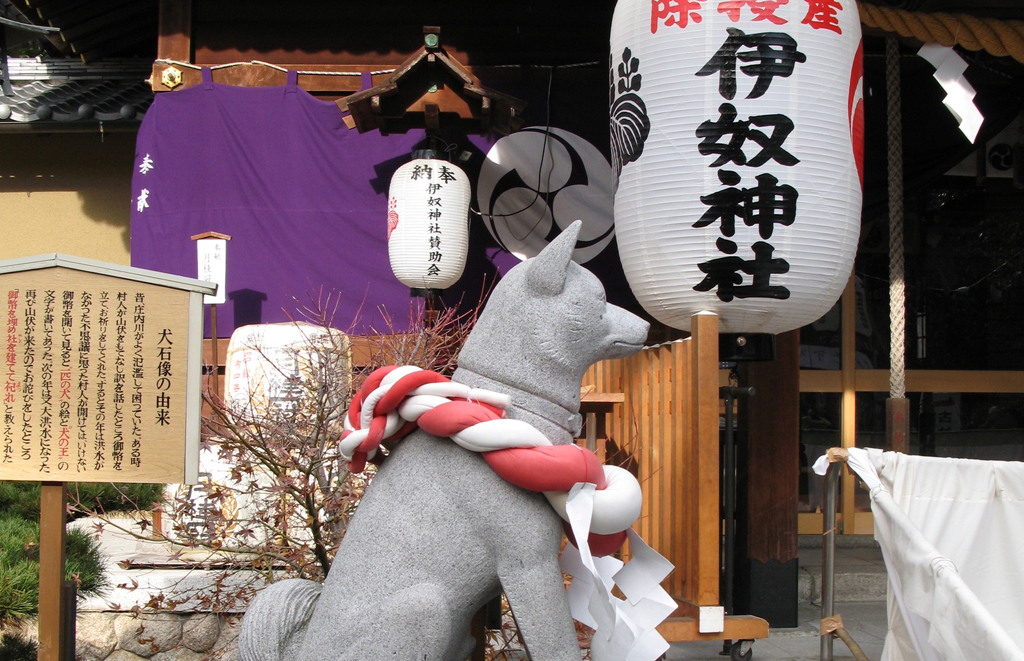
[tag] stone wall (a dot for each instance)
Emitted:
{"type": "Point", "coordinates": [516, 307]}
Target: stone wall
{"type": "Point", "coordinates": [157, 637]}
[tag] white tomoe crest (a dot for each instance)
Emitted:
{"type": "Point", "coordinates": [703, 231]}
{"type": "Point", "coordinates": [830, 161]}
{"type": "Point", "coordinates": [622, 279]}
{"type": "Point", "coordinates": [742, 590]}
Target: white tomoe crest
{"type": "Point", "coordinates": [737, 133]}
{"type": "Point", "coordinates": [535, 182]}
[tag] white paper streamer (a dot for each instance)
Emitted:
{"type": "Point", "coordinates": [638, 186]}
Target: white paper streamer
{"type": "Point", "coordinates": [625, 629]}
{"type": "Point", "coordinates": [949, 71]}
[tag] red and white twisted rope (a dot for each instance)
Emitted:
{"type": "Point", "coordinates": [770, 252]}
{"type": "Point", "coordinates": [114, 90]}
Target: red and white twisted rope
{"type": "Point", "coordinates": [395, 400]}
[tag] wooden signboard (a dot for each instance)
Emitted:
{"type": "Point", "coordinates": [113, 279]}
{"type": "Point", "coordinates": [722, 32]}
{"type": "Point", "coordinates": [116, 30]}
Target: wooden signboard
{"type": "Point", "coordinates": [100, 373]}
{"type": "Point", "coordinates": [101, 383]}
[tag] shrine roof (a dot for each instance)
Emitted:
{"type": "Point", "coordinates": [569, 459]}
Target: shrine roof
{"type": "Point", "coordinates": [52, 93]}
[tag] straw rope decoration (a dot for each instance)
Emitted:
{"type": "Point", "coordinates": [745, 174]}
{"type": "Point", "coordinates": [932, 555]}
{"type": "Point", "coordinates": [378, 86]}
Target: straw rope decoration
{"type": "Point", "coordinates": [396, 400]}
{"type": "Point", "coordinates": [897, 286]}
{"type": "Point", "coordinates": [996, 37]}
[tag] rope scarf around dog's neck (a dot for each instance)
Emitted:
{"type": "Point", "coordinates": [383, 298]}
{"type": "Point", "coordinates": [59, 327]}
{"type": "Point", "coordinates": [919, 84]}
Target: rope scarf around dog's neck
{"type": "Point", "coordinates": [395, 400]}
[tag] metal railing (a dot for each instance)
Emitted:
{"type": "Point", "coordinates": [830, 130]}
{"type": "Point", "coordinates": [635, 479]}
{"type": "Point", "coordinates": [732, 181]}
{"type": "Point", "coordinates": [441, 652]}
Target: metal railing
{"type": "Point", "coordinates": [832, 624]}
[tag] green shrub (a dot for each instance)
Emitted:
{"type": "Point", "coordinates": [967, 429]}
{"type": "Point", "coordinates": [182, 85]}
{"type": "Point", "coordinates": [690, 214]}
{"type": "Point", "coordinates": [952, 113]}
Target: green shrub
{"type": "Point", "coordinates": [19, 569]}
{"type": "Point", "coordinates": [84, 563]}
{"type": "Point", "coordinates": [19, 540]}
{"type": "Point", "coordinates": [22, 498]}
{"type": "Point", "coordinates": [16, 648]}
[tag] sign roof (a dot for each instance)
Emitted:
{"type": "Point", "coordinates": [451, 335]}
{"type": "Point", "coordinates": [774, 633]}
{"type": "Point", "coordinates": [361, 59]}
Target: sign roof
{"type": "Point", "coordinates": [53, 260]}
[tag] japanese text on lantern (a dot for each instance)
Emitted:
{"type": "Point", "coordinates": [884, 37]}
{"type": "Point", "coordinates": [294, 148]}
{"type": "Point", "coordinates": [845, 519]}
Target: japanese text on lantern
{"type": "Point", "coordinates": [88, 381]}
{"type": "Point", "coordinates": [434, 187]}
{"type": "Point", "coordinates": [821, 14]}
{"type": "Point", "coordinates": [755, 141]}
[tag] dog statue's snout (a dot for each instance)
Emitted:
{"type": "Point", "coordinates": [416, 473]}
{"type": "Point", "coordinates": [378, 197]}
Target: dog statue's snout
{"type": "Point", "coordinates": [628, 332]}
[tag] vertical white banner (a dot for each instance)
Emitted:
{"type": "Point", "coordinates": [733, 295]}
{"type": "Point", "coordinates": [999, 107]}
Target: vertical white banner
{"type": "Point", "coordinates": [213, 268]}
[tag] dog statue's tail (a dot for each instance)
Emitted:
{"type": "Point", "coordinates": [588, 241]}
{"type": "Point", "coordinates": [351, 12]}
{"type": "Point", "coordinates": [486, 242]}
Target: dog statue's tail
{"type": "Point", "coordinates": [274, 625]}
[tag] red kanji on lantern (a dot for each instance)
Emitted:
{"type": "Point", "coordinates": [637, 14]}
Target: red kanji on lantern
{"type": "Point", "coordinates": [675, 12]}
{"type": "Point", "coordinates": [763, 10]}
{"type": "Point", "coordinates": [822, 14]}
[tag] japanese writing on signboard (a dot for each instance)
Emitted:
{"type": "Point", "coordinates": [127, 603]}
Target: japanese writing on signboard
{"type": "Point", "coordinates": [436, 177]}
{"type": "Point", "coordinates": [92, 390]}
{"type": "Point", "coordinates": [212, 254]}
{"type": "Point", "coordinates": [748, 149]}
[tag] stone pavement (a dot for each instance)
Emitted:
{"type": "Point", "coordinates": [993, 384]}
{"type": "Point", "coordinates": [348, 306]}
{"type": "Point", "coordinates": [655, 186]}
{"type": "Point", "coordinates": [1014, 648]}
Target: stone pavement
{"type": "Point", "coordinates": [865, 621]}
{"type": "Point", "coordinates": [859, 599]}
{"type": "Point", "coordinates": [859, 590]}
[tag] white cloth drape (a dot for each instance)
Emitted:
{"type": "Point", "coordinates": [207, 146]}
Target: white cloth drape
{"type": "Point", "coordinates": [952, 535]}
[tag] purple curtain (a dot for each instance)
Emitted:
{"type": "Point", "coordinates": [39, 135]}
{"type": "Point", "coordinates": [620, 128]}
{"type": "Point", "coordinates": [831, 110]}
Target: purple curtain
{"type": "Point", "coordinates": [304, 198]}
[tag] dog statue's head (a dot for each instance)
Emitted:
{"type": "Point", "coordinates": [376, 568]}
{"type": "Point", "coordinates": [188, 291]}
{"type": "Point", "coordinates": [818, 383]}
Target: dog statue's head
{"type": "Point", "coordinates": [546, 322]}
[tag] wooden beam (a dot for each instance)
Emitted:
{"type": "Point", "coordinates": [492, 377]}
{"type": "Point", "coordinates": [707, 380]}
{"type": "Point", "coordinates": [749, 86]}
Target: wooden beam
{"type": "Point", "coordinates": [142, 32]}
{"type": "Point", "coordinates": [944, 381]}
{"type": "Point", "coordinates": [979, 381]}
{"type": "Point", "coordinates": [60, 14]}
{"type": "Point", "coordinates": [738, 627]}
{"type": "Point", "coordinates": [113, 16]}
{"type": "Point", "coordinates": [211, 235]}
{"type": "Point", "coordinates": [53, 37]}
{"type": "Point", "coordinates": [260, 75]}
{"type": "Point", "coordinates": [175, 32]}
{"type": "Point", "coordinates": [102, 38]}
{"type": "Point", "coordinates": [821, 381]}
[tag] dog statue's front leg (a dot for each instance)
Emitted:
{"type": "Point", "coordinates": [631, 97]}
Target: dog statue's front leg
{"type": "Point", "coordinates": [536, 593]}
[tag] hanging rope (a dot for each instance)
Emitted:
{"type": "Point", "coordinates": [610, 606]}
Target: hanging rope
{"type": "Point", "coordinates": [897, 293]}
{"type": "Point", "coordinates": [189, 65]}
{"type": "Point", "coordinates": [997, 37]}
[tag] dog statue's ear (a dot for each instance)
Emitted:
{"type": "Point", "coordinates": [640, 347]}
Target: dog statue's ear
{"type": "Point", "coordinates": [546, 274]}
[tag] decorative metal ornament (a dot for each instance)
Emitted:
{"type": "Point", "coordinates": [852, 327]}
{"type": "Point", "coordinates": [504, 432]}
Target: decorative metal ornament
{"type": "Point", "coordinates": [171, 77]}
{"type": "Point", "coordinates": [737, 135]}
{"type": "Point", "coordinates": [428, 222]}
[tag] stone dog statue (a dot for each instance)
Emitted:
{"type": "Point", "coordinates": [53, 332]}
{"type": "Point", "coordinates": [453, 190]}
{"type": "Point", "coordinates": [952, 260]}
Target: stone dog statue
{"type": "Point", "coordinates": [439, 533]}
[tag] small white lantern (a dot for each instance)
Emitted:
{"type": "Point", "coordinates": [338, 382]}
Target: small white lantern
{"type": "Point", "coordinates": [737, 131]}
{"type": "Point", "coordinates": [428, 222]}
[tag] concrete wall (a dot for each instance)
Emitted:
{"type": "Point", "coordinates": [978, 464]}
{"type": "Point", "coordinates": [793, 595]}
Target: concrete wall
{"type": "Point", "coordinates": [68, 193]}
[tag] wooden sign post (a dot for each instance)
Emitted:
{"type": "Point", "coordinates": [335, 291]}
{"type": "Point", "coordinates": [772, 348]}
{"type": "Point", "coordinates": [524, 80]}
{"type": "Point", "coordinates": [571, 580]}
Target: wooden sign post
{"type": "Point", "coordinates": [101, 382]}
{"type": "Point", "coordinates": [212, 252]}
{"type": "Point", "coordinates": [53, 504]}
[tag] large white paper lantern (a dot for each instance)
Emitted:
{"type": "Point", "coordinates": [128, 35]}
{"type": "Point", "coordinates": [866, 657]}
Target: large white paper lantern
{"type": "Point", "coordinates": [428, 222]}
{"type": "Point", "coordinates": [737, 132]}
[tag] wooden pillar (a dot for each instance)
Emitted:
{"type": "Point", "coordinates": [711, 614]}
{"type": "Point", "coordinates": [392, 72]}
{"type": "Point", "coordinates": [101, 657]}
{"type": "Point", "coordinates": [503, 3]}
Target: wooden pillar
{"type": "Point", "coordinates": [175, 39]}
{"type": "Point", "coordinates": [52, 538]}
{"type": "Point", "coordinates": [767, 568]}
{"type": "Point", "coordinates": [704, 394]}
{"type": "Point", "coordinates": [848, 308]}
{"type": "Point", "coordinates": [479, 633]}
{"type": "Point", "coordinates": [897, 425]}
